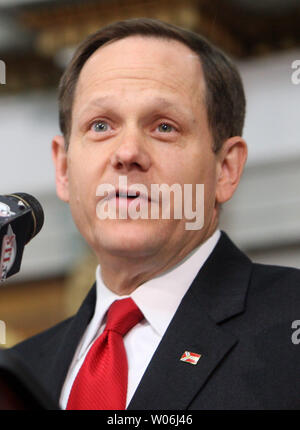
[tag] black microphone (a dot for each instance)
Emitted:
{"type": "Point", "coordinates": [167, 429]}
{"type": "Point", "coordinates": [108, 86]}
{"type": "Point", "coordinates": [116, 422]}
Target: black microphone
{"type": "Point", "coordinates": [21, 219]}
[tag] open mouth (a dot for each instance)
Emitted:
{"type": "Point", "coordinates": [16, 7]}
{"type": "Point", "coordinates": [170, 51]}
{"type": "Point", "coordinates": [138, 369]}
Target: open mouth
{"type": "Point", "coordinates": [129, 195]}
{"type": "Point", "coordinates": [122, 195]}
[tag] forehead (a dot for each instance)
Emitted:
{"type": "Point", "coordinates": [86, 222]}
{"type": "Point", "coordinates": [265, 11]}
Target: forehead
{"type": "Point", "coordinates": [143, 62]}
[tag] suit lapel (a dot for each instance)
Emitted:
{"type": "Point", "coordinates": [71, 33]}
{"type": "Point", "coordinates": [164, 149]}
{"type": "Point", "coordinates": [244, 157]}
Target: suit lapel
{"type": "Point", "coordinates": [170, 383]}
{"type": "Point", "coordinates": [60, 352]}
{"type": "Point", "coordinates": [217, 294]}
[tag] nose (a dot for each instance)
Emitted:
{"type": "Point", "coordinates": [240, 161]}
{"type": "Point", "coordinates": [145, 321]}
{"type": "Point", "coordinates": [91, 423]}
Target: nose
{"type": "Point", "coordinates": [131, 153]}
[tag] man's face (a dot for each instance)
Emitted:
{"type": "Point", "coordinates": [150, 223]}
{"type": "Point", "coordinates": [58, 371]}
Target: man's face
{"type": "Point", "coordinates": [139, 112]}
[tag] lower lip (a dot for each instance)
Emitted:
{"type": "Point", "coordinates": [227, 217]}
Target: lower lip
{"type": "Point", "coordinates": [125, 202]}
{"type": "Point", "coordinates": [120, 206]}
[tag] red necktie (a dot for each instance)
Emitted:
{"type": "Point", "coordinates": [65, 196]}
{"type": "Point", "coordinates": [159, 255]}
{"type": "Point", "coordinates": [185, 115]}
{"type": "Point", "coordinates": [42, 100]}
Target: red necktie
{"type": "Point", "coordinates": [101, 383]}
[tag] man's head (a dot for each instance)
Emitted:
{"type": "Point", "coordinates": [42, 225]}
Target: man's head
{"type": "Point", "coordinates": [224, 95]}
{"type": "Point", "coordinates": [141, 106]}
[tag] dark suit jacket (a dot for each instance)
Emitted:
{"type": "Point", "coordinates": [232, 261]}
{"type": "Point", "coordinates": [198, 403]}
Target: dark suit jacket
{"type": "Point", "coordinates": [236, 314]}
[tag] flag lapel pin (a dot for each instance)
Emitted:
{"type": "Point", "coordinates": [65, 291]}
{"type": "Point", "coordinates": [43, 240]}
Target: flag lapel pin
{"type": "Point", "coordinates": [190, 357]}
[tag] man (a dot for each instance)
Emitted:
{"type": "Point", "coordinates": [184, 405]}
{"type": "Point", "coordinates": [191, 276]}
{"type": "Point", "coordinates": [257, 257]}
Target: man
{"type": "Point", "coordinates": [157, 104]}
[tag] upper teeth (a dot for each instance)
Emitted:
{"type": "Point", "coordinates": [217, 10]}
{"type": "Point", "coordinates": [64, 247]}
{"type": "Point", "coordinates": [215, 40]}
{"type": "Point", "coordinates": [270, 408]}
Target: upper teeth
{"type": "Point", "coordinates": [124, 194]}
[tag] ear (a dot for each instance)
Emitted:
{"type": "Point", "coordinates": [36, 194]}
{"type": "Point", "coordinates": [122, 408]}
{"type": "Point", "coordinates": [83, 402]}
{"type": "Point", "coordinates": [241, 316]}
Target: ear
{"type": "Point", "coordinates": [231, 162]}
{"type": "Point", "coordinates": [60, 160]}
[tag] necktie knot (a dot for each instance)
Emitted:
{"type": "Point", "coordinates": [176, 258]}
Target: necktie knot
{"type": "Point", "coordinates": [122, 316]}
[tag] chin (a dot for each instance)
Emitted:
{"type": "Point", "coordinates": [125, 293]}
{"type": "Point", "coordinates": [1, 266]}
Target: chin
{"type": "Point", "coordinates": [129, 239]}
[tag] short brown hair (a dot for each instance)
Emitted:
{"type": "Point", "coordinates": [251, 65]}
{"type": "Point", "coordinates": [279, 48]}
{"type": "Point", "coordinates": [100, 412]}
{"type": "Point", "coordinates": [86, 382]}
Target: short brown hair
{"type": "Point", "coordinates": [225, 98]}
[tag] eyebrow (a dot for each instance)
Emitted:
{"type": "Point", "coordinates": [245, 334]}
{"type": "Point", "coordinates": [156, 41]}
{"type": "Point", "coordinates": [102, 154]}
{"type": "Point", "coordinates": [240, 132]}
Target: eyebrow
{"type": "Point", "coordinates": [160, 102]}
{"type": "Point", "coordinates": [99, 101]}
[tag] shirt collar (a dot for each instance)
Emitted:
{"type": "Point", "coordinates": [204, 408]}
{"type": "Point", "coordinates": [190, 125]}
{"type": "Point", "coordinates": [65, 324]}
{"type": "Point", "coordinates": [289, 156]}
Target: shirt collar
{"type": "Point", "coordinates": [158, 298]}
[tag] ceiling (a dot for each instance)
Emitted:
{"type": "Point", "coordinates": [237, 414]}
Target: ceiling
{"type": "Point", "coordinates": [256, 5]}
{"type": "Point", "coordinates": [37, 35]}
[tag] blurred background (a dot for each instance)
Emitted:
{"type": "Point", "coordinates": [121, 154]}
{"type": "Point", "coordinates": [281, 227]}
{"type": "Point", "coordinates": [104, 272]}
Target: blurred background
{"type": "Point", "coordinates": [37, 39]}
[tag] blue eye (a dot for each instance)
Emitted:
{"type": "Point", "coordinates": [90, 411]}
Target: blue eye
{"type": "Point", "coordinates": [100, 126]}
{"type": "Point", "coordinates": [165, 128]}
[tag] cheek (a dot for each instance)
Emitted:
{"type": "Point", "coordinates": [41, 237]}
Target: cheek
{"type": "Point", "coordinates": [80, 170]}
{"type": "Point", "coordinates": [80, 189]}
{"type": "Point", "coordinates": [204, 172]}
{"type": "Point", "coordinates": [200, 172]}
{"type": "Point", "coordinates": [210, 191]}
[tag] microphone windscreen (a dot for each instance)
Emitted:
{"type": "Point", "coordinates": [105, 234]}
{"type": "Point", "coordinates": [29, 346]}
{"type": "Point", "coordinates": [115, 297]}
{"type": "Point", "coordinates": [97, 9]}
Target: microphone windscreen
{"type": "Point", "coordinates": [36, 211]}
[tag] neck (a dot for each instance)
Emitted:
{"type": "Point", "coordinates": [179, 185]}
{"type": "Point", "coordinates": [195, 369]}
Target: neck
{"type": "Point", "coordinates": [123, 274]}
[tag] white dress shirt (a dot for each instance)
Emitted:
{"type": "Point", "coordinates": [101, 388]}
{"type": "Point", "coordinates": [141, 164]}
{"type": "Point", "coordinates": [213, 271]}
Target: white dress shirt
{"type": "Point", "coordinates": [158, 299]}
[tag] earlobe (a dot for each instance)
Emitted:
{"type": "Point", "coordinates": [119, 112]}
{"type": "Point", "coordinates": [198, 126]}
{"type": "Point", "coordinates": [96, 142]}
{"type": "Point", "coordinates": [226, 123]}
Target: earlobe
{"type": "Point", "coordinates": [60, 160]}
{"type": "Point", "coordinates": [232, 159]}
